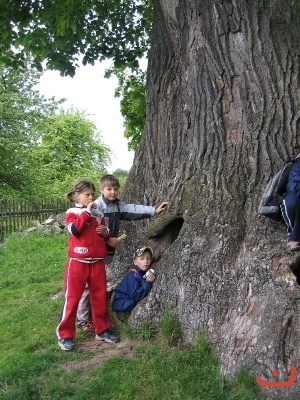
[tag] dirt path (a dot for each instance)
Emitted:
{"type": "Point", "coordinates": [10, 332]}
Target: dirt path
{"type": "Point", "coordinates": [101, 351]}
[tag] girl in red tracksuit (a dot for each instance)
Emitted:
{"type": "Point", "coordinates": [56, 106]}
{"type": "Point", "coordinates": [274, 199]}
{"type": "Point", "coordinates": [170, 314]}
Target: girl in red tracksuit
{"type": "Point", "coordinates": [86, 251]}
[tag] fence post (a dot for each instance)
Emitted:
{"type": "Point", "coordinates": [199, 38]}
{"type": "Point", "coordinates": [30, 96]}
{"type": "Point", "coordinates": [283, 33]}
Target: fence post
{"type": "Point", "coordinates": [16, 213]}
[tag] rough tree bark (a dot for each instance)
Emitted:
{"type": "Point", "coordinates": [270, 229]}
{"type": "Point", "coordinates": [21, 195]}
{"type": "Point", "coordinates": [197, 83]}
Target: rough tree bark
{"type": "Point", "coordinates": [223, 115]}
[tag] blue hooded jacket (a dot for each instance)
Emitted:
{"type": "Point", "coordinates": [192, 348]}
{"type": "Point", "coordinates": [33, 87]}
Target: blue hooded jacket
{"type": "Point", "coordinates": [293, 185]}
{"type": "Point", "coordinates": [132, 289]}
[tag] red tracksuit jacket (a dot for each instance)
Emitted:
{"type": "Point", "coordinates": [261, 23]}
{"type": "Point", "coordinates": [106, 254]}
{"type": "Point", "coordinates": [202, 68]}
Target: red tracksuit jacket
{"type": "Point", "coordinates": [89, 245]}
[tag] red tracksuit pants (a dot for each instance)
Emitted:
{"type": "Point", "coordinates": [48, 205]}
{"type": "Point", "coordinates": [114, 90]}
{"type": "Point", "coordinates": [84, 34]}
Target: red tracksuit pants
{"type": "Point", "coordinates": [77, 275]}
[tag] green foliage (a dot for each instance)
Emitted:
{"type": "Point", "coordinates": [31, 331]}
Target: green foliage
{"type": "Point", "coordinates": [22, 111]}
{"type": "Point", "coordinates": [58, 34]}
{"type": "Point", "coordinates": [43, 150]}
{"type": "Point", "coordinates": [132, 90]}
{"type": "Point", "coordinates": [122, 175]}
{"type": "Point", "coordinates": [59, 31]}
{"type": "Point", "coordinates": [33, 367]}
{"type": "Point", "coordinates": [70, 149]}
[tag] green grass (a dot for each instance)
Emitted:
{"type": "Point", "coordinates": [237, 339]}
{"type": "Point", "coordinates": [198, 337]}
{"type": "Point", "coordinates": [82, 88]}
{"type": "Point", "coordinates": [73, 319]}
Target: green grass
{"type": "Point", "coordinates": [31, 363]}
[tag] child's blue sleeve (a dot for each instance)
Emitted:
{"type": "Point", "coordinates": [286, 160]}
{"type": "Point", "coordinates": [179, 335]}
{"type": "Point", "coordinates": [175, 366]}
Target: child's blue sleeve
{"type": "Point", "coordinates": [138, 288]}
{"type": "Point", "coordinates": [294, 179]}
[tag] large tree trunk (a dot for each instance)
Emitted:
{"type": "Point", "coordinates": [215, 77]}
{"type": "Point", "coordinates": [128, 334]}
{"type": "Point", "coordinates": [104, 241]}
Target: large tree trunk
{"type": "Point", "coordinates": [223, 116]}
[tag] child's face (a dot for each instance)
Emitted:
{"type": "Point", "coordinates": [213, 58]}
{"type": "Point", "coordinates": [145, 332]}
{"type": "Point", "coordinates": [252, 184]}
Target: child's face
{"type": "Point", "coordinates": [143, 261]}
{"type": "Point", "coordinates": [85, 197]}
{"type": "Point", "coordinates": [109, 191]}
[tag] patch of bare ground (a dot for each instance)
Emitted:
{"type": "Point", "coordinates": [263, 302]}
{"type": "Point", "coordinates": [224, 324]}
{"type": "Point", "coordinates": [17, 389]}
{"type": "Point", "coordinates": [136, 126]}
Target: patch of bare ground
{"type": "Point", "coordinates": [100, 351]}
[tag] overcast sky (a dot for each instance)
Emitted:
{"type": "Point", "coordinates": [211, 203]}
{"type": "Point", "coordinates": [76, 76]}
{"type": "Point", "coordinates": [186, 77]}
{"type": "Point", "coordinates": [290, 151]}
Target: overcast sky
{"type": "Point", "coordinates": [89, 91]}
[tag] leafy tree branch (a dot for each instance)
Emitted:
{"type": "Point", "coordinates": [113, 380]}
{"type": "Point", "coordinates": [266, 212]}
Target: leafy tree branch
{"type": "Point", "coordinates": [60, 32]}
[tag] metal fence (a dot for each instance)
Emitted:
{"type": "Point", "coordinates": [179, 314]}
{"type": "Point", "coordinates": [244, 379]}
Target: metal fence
{"type": "Point", "coordinates": [16, 214]}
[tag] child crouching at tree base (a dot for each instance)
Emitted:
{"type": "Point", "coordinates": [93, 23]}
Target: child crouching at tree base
{"type": "Point", "coordinates": [86, 251]}
{"type": "Point", "coordinates": [135, 285]}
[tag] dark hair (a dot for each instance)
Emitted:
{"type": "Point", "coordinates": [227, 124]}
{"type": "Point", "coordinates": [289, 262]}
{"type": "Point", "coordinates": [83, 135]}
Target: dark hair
{"type": "Point", "coordinates": [114, 181]}
{"type": "Point", "coordinates": [79, 187]}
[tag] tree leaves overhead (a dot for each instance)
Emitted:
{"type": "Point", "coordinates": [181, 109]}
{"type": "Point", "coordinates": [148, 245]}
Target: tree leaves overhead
{"type": "Point", "coordinates": [64, 31]}
{"type": "Point", "coordinates": [132, 91]}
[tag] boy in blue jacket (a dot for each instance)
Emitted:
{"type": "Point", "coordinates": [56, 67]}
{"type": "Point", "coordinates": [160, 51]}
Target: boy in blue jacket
{"type": "Point", "coordinates": [135, 285]}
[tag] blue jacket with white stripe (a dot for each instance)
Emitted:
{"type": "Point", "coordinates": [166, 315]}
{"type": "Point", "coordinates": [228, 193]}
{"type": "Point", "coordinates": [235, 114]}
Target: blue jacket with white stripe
{"type": "Point", "coordinates": [132, 289]}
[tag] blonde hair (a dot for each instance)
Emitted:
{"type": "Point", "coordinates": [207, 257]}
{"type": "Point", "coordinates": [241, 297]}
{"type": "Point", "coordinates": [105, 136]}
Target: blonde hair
{"type": "Point", "coordinates": [79, 186]}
